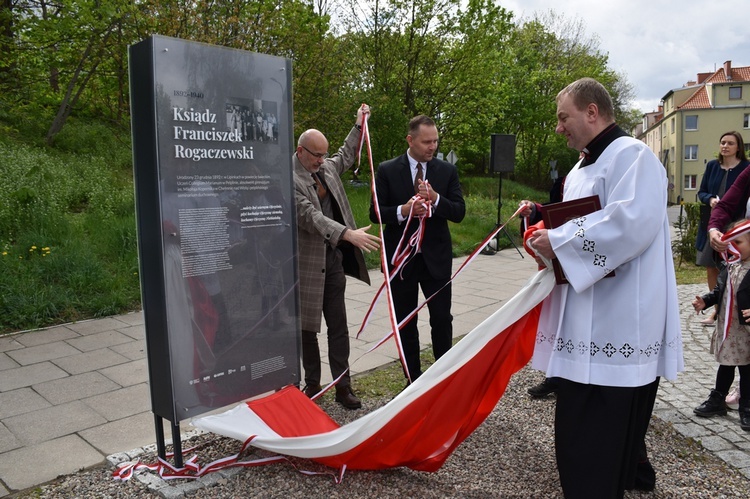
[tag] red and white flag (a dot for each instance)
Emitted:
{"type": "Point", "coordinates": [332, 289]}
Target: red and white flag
{"type": "Point", "coordinates": [423, 424]}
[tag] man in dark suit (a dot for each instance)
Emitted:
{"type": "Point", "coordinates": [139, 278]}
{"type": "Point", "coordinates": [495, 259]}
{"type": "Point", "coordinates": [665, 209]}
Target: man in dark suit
{"type": "Point", "coordinates": [414, 183]}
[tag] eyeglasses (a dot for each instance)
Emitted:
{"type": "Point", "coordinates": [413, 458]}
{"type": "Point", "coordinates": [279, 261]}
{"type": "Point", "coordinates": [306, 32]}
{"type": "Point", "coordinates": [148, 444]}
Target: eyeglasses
{"type": "Point", "coordinates": [317, 155]}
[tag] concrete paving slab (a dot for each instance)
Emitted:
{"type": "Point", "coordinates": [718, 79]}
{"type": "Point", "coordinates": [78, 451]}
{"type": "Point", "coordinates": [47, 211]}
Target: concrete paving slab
{"type": "Point", "coordinates": [133, 350]}
{"type": "Point", "coordinates": [45, 336]}
{"type": "Point", "coordinates": [91, 361]}
{"type": "Point", "coordinates": [137, 332]}
{"type": "Point", "coordinates": [21, 401]}
{"type": "Point", "coordinates": [29, 466]}
{"type": "Point", "coordinates": [95, 326]}
{"type": "Point", "coordinates": [122, 403]}
{"type": "Point", "coordinates": [97, 340]}
{"type": "Point", "coordinates": [6, 362]}
{"type": "Point", "coordinates": [19, 377]}
{"type": "Point", "coordinates": [45, 424]}
{"type": "Point", "coordinates": [736, 458]}
{"type": "Point", "coordinates": [40, 353]}
{"type": "Point", "coordinates": [132, 318]}
{"type": "Point", "coordinates": [8, 441]}
{"type": "Point", "coordinates": [9, 342]}
{"type": "Point", "coordinates": [124, 434]}
{"type": "Point", "coordinates": [130, 373]}
{"type": "Point", "coordinates": [366, 363]}
{"type": "Point", "coordinates": [80, 386]}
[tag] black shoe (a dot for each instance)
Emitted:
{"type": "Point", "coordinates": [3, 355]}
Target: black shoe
{"type": "Point", "coordinates": [744, 413]}
{"type": "Point", "coordinates": [345, 396]}
{"type": "Point", "coordinates": [713, 406]}
{"type": "Point", "coordinates": [745, 420]}
{"type": "Point", "coordinates": [543, 389]}
{"type": "Point", "coordinates": [312, 390]}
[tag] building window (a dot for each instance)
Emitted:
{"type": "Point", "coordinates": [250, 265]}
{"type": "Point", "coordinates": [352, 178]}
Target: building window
{"type": "Point", "coordinates": [672, 125]}
{"type": "Point", "coordinates": [671, 154]}
{"type": "Point", "coordinates": [691, 122]}
{"type": "Point", "coordinates": [746, 121]}
{"type": "Point", "coordinates": [735, 92]}
{"type": "Point", "coordinates": [691, 152]}
{"type": "Point", "coordinates": [691, 182]}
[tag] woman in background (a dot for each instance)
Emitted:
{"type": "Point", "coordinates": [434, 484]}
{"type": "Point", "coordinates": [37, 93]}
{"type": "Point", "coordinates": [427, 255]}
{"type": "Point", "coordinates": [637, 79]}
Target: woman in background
{"type": "Point", "coordinates": [719, 176]}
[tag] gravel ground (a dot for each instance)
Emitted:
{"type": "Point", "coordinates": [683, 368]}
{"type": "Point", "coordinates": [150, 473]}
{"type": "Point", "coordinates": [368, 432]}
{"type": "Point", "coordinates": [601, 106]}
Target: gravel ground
{"type": "Point", "coordinates": [510, 455]}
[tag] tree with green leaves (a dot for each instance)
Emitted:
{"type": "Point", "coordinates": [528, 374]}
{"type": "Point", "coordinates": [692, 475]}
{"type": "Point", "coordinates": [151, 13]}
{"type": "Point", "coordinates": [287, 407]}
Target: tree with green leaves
{"type": "Point", "coordinates": [549, 52]}
{"type": "Point", "coordinates": [433, 57]}
{"type": "Point", "coordinates": [464, 62]}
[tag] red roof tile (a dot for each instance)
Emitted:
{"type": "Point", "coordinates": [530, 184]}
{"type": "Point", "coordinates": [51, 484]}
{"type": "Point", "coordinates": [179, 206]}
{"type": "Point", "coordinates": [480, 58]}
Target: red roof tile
{"type": "Point", "coordinates": [699, 100]}
{"type": "Point", "coordinates": [738, 74]}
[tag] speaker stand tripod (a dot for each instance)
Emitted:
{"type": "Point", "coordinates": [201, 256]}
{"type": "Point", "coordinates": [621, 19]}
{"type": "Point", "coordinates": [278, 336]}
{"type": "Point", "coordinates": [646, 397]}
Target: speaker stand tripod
{"type": "Point", "coordinates": [487, 250]}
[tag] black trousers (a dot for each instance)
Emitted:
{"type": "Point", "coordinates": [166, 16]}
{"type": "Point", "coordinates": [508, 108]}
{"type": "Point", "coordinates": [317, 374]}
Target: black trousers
{"type": "Point", "coordinates": [599, 437]}
{"type": "Point", "coordinates": [334, 311]}
{"type": "Point", "coordinates": [405, 299]}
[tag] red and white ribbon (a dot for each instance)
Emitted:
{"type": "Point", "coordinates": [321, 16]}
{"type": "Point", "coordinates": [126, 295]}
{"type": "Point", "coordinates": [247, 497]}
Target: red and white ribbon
{"type": "Point", "coordinates": [405, 250]}
{"type": "Point", "coordinates": [731, 256]}
{"type": "Point", "coordinates": [191, 470]}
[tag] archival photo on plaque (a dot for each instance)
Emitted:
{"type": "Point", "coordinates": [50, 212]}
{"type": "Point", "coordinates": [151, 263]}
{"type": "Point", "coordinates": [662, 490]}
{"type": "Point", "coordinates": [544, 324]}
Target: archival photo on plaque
{"type": "Point", "coordinates": [212, 140]}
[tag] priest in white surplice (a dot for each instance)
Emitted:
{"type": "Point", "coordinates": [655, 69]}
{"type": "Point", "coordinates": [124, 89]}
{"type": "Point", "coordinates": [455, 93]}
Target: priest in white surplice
{"type": "Point", "coordinates": [608, 340]}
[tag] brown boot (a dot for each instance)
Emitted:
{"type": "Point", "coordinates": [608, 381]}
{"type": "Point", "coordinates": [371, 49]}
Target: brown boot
{"type": "Point", "coordinates": [345, 396]}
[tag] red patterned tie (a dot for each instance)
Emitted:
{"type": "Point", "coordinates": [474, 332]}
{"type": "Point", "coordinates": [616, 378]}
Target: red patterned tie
{"type": "Point", "coordinates": [417, 178]}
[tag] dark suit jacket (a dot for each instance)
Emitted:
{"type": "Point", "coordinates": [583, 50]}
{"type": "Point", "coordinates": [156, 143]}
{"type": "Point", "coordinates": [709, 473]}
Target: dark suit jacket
{"type": "Point", "coordinates": [395, 187]}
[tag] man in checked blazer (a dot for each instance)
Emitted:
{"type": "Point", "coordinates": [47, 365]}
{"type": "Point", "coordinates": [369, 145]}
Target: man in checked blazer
{"type": "Point", "coordinates": [412, 182]}
{"type": "Point", "coordinates": [330, 247]}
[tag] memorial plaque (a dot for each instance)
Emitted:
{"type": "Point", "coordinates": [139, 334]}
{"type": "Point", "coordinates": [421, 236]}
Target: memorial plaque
{"type": "Point", "coordinates": [212, 143]}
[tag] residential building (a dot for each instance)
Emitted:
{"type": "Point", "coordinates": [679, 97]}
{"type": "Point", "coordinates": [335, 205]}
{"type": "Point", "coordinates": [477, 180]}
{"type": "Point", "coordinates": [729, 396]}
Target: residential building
{"type": "Point", "coordinates": [685, 132]}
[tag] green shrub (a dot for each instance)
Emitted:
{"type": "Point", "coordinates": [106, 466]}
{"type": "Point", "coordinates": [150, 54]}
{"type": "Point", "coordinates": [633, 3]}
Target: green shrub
{"type": "Point", "coordinates": [683, 246]}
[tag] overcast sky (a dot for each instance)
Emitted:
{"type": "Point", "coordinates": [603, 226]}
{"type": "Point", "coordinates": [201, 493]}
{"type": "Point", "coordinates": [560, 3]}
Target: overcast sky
{"type": "Point", "coordinates": [658, 44]}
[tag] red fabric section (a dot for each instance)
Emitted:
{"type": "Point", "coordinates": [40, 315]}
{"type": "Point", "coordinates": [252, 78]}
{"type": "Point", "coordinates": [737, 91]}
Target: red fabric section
{"type": "Point", "coordinates": [529, 232]}
{"type": "Point", "coordinates": [423, 435]}
{"type": "Point", "coordinates": [290, 413]}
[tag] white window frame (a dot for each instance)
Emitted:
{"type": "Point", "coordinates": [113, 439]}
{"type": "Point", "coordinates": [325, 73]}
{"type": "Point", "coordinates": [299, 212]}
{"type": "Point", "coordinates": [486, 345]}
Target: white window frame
{"type": "Point", "coordinates": [691, 152]}
{"type": "Point", "coordinates": [736, 97]}
{"type": "Point", "coordinates": [690, 182]}
{"type": "Point", "coordinates": [687, 126]}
